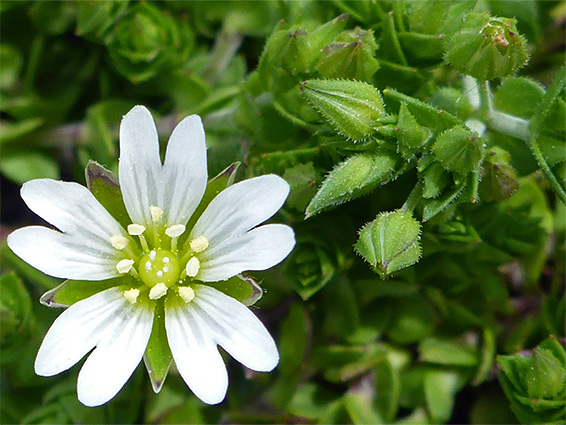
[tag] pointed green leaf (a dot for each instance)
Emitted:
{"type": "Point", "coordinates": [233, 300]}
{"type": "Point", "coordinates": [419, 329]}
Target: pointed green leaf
{"type": "Point", "coordinates": [355, 177]}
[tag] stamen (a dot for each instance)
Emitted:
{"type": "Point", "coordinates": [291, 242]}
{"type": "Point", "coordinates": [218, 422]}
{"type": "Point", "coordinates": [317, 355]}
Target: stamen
{"type": "Point", "coordinates": [186, 293]}
{"type": "Point", "coordinates": [158, 291]}
{"type": "Point", "coordinates": [135, 229]}
{"type": "Point", "coordinates": [119, 242]}
{"type": "Point", "coordinates": [132, 295]}
{"type": "Point", "coordinates": [175, 231]}
{"type": "Point", "coordinates": [199, 244]}
{"type": "Point", "coordinates": [156, 213]}
{"type": "Point", "coordinates": [124, 266]}
{"type": "Point", "coordinates": [193, 267]}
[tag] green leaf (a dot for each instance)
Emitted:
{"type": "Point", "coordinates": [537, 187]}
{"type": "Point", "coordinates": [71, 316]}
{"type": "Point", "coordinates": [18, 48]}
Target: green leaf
{"type": "Point", "coordinates": [104, 186]}
{"type": "Point", "coordinates": [358, 402]}
{"type": "Point", "coordinates": [21, 166]}
{"type": "Point", "coordinates": [355, 177]}
{"type": "Point", "coordinates": [12, 61]}
{"type": "Point", "coordinates": [243, 288]}
{"type": "Point", "coordinates": [413, 319]}
{"type": "Point", "coordinates": [440, 387]}
{"type": "Point", "coordinates": [546, 375]}
{"type": "Point", "coordinates": [390, 242]}
{"type": "Point", "coordinates": [293, 340]}
{"type": "Point", "coordinates": [388, 384]}
{"type": "Point", "coordinates": [16, 314]}
{"type": "Point", "coordinates": [447, 352]}
{"type": "Point", "coordinates": [157, 356]}
{"type": "Point", "coordinates": [518, 96]}
{"type": "Point", "coordinates": [302, 179]}
{"type": "Point", "coordinates": [72, 291]}
{"type": "Point", "coordinates": [411, 136]}
{"type": "Point", "coordinates": [353, 108]}
{"type": "Point", "coordinates": [459, 150]}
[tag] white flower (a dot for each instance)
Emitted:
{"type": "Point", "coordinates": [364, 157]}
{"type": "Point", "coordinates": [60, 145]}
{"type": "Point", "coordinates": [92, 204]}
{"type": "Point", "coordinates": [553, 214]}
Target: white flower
{"type": "Point", "coordinates": [166, 259]}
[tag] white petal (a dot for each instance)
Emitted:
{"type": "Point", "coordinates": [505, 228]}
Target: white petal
{"type": "Point", "coordinates": [116, 356]}
{"type": "Point", "coordinates": [258, 249]}
{"type": "Point", "coordinates": [195, 353]}
{"type": "Point", "coordinates": [63, 256]}
{"type": "Point", "coordinates": [236, 329]}
{"type": "Point", "coordinates": [184, 172]}
{"type": "Point", "coordinates": [241, 207]}
{"type": "Point", "coordinates": [139, 165]}
{"type": "Point", "coordinates": [76, 331]}
{"type": "Point", "coordinates": [72, 208]}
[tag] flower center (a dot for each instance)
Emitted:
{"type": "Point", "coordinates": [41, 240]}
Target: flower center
{"type": "Point", "coordinates": [159, 266]}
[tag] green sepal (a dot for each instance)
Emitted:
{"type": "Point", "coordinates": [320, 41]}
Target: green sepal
{"type": "Point", "coordinates": [242, 288]}
{"type": "Point", "coordinates": [425, 114]}
{"type": "Point", "coordinates": [435, 179]}
{"type": "Point", "coordinates": [447, 352]}
{"type": "Point", "coordinates": [391, 242]}
{"type": "Point", "coordinates": [72, 291]}
{"type": "Point", "coordinates": [499, 179]}
{"type": "Point", "coordinates": [355, 177]}
{"type": "Point", "coordinates": [487, 47]}
{"type": "Point", "coordinates": [103, 184]}
{"type": "Point", "coordinates": [215, 185]}
{"type": "Point", "coordinates": [351, 56]}
{"type": "Point", "coordinates": [410, 135]}
{"type": "Point", "coordinates": [432, 207]}
{"type": "Point", "coordinates": [546, 375]}
{"type": "Point", "coordinates": [289, 48]}
{"type": "Point", "coordinates": [157, 357]}
{"type": "Point", "coordinates": [459, 150]}
{"type": "Point", "coordinates": [352, 108]}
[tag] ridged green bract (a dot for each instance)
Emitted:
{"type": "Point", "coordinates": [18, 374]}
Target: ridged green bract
{"type": "Point", "coordinates": [353, 108]}
{"type": "Point", "coordinates": [459, 150]}
{"type": "Point", "coordinates": [351, 179]}
{"type": "Point", "coordinates": [535, 383]}
{"type": "Point", "coordinates": [351, 55]}
{"type": "Point", "coordinates": [390, 242]}
{"type": "Point", "coordinates": [487, 47]}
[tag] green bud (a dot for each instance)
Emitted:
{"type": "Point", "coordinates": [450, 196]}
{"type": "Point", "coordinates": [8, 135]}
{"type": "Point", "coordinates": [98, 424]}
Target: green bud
{"type": "Point", "coordinates": [391, 242]}
{"type": "Point", "coordinates": [351, 55]}
{"type": "Point", "coordinates": [459, 150]}
{"type": "Point", "coordinates": [545, 376]}
{"type": "Point", "coordinates": [289, 48]}
{"type": "Point", "coordinates": [499, 178]}
{"type": "Point", "coordinates": [353, 108]}
{"type": "Point", "coordinates": [487, 47]}
{"type": "Point", "coordinates": [355, 177]}
{"type": "Point", "coordinates": [410, 135]}
{"type": "Point", "coordinates": [146, 42]}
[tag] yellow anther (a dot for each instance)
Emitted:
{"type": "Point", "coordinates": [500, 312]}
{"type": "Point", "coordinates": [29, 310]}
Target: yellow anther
{"type": "Point", "coordinates": [124, 266]}
{"type": "Point", "coordinates": [158, 291]}
{"type": "Point", "coordinates": [193, 267]}
{"type": "Point", "coordinates": [175, 231]}
{"type": "Point", "coordinates": [132, 295]}
{"type": "Point", "coordinates": [186, 293]}
{"type": "Point", "coordinates": [135, 229]}
{"type": "Point", "coordinates": [156, 213]}
{"type": "Point", "coordinates": [119, 242]}
{"type": "Point", "coordinates": [199, 244]}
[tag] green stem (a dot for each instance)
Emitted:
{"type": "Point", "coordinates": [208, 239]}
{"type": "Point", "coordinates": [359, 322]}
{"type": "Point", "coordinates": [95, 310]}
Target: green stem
{"type": "Point", "coordinates": [225, 47]}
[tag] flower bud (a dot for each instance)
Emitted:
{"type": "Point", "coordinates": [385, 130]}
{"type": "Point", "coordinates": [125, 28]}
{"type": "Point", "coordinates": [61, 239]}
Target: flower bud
{"type": "Point", "coordinates": [353, 108]}
{"type": "Point", "coordinates": [487, 47]}
{"type": "Point", "coordinates": [351, 55]}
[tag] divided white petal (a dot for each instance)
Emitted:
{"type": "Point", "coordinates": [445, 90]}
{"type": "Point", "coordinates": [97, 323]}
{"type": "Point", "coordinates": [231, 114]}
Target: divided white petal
{"type": "Point", "coordinates": [64, 256]}
{"type": "Point", "coordinates": [116, 356]}
{"type": "Point", "coordinates": [84, 251]}
{"type": "Point", "coordinates": [241, 207]}
{"type": "Point", "coordinates": [139, 165]}
{"type": "Point", "coordinates": [236, 329]}
{"type": "Point", "coordinates": [76, 331]}
{"type": "Point", "coordinates": [195, 353]}
{"type": "Point", "coordinates": [258, 249]}
{"type": "Point", "coordinates": [184, 173]}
